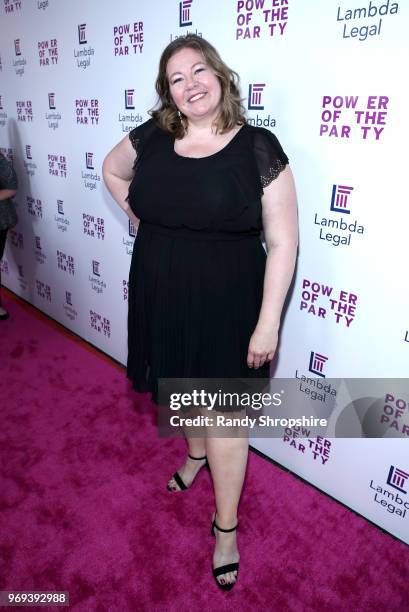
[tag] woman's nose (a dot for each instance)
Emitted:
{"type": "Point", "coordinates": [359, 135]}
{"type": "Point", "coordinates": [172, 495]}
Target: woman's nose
{"type": "Point", "coordinates": [191, 82]}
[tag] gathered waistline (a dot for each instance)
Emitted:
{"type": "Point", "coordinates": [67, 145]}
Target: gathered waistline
{"type": "Point", "coordinates": [185, 232]}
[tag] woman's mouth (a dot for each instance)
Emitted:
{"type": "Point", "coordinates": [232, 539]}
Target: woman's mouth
{"type": "Point", "coordinates": [197, 96]}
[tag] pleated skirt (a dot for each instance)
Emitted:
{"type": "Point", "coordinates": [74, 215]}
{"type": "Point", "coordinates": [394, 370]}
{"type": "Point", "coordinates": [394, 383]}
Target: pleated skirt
{"type": "Point", "coordinates": [194, 301]}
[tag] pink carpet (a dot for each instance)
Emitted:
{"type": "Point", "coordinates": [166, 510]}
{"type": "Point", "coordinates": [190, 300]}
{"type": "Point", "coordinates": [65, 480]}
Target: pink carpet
{"type": "Point", "coordinates": [84, 506]}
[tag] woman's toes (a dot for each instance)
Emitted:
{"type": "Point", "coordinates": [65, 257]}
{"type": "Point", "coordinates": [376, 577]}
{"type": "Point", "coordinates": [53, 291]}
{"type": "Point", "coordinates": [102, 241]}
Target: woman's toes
{"type": "Point", "coordinates": [227, 578]}
{"type": "Point", "coordinates": [172, 485]}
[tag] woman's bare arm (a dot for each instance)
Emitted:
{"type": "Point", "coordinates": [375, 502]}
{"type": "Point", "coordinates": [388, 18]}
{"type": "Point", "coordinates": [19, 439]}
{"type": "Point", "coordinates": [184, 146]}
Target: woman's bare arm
{"type": "Point", "coordinates": [281, 234]}
{"type": "Point", "coordinates": [5, 194]}
{"type": "Point", "coordinates": [117, 172]}
{"type": "Point", "coordinates": [279, 206]}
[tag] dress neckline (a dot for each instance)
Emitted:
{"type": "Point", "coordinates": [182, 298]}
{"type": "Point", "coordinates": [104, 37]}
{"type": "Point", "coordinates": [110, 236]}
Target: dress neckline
{"type": "Point", "coordinates": [226, 146]}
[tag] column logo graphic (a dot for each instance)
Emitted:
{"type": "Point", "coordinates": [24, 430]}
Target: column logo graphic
{"type": "Point", "coordinates": [95, 268]}
{"type": "Point", "coordinates": [97, 283]}
{"type": "Point", "coordinates": [131, 229]}
{"type": "Point", "coordinates": [61, 220]}
{"type": "Point", "coordinates": [89, 161]}
{"type": "Point", "coordinates": [184, 13]}
{"type": "Point", "coordinates": [83, 54]}
{"type": "Point", "coordinates": [392, 501]}
{"type": "Point", "coordinates": [339, 198]}
{"type": "Point", "coordinates": [254, 97]}
{"type": "Point", "coordinates": [128, 240]}
{"type": "Point", "coordinates": [317, 362]}
{"type": "Point", "coordinates": [397, 479]}
{"type": "Point", "coordinates": [29, 165]}
{"type": "Point", "coordinates": [129, 120]}
{"type": "Point", "coordinates": [82, 38]}
{"type": "Point", "coordinates": [256, 105]}
{"type": "Point", "coordinates": [339, 230]}
{"type": "Point", "coordinates": [185, 20]}
{"type": "Point", "coordinates": [91, 179]}
{"type": "Point", "coordinates": [69, 310]}
{"type": "Point", "coordinates": [53, 118]}
{"type": "Point", "coordinates": [20, 61]}
{"type": "Point", "coordinates": [129, 101]}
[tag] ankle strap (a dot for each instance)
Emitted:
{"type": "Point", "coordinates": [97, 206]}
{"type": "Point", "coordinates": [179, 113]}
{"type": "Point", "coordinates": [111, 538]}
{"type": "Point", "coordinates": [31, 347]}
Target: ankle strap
{"type": "Point", "coordinates": [225, 530]}
{"type": "Point", "coordinates": [196, 458]}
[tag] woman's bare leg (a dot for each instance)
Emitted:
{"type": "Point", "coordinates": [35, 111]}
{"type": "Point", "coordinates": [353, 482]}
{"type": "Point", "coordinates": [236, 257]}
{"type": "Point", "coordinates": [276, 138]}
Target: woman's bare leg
{"type": "Point", "coordinates": [227, 458]}
{"type": "Point", "coordinates": [188, 471]}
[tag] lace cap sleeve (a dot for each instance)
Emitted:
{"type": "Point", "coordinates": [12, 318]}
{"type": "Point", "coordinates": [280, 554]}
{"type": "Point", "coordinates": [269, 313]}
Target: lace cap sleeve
{"type": "Point", "coordinates": [139, 136]}
{"type": "Point", "coordinates": [270, 157]}
{"type": "Point", "coordinates": [134, 138]}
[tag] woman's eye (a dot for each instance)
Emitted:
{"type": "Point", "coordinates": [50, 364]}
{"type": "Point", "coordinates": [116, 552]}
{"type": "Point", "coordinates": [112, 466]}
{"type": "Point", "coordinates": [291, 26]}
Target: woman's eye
{"type": "Point", "coordinates": [199, 70]}
{"type": "Point", "coordinates": [176, 81]}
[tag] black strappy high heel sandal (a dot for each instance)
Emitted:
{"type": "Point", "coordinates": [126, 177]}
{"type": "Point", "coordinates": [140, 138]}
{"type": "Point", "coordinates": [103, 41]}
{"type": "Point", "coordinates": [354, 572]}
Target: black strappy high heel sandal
{"type": "Point", "coordinates": [178, 479]}
{"type": "Point", "coordinates": [224, 569]}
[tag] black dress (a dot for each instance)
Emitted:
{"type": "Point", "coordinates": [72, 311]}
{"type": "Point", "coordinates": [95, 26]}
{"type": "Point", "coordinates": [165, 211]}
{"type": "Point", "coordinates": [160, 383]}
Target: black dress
{"type": "Point", "coordinates": [197, 269]}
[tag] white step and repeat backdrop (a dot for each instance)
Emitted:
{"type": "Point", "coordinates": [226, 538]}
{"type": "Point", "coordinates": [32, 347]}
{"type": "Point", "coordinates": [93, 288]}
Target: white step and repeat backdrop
{"type": "Point", "coordinates": [328, 77]}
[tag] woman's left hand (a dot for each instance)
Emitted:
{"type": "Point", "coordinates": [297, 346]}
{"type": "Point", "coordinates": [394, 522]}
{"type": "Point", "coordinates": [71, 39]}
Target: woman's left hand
{"type": "Point", "coordinates": [262, 346]}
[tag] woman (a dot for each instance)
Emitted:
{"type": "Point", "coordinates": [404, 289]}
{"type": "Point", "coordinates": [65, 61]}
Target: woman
{"type": "Point", "coordinates": [8, 188]}
{"type": "Point", "coordinates": [204, 299]}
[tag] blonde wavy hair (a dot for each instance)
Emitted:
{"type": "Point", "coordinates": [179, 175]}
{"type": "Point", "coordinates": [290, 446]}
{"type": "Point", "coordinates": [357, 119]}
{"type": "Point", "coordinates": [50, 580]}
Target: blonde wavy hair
{"type": "Point", "coordinates": [232, 111]}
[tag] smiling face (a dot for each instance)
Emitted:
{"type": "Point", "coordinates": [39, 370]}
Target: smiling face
{"type": "Point", "coordinates": [194, 87]}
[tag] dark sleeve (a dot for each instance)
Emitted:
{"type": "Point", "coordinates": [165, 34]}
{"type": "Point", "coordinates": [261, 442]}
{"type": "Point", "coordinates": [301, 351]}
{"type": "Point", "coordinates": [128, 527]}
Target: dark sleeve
{"type": "Point", "coordinates": [139, 137]}
{"type": "Point", "coordinates": [270, 157]}
{"type": "Point", "coordinates": [8, 178]}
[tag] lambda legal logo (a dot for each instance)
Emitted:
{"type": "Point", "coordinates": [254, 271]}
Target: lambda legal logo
{"type": "Point", "coordinates": [129, 103]}
{"type": "Point", "coordinates": [95, 268]}
{"type": "Point", "coordinates": [184, 13]}
{"type": "Point", "coordinates": [38, 242]}
{"type": "Point", "coordinates": [89, 161]}
{"type": "Point", "coordinates": [51, 101]}
{"type": "Point", "coordinates": [17, 47]}
{"type": "Point", "coordinates": [28, 152]}
{"type": "Point", "coordinates": [131, 229]}
{"type": "Point", "coordinates": [254, 98]}
{"type": "Point", "coordinates": [397, 478]}
{"type": "Point", "coordinates": [68, 298]}
{"type": "Point", "coordinates": [82, 38]}
{"type": "Point", "coordinates": [317, 362]}
{"type": "Point", "coordinates": [339, 199]}
{"type": "Point", "coordinates": [1, 103]}
{"type": "Point", "coordinates": [60, 207]}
